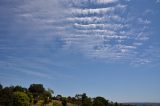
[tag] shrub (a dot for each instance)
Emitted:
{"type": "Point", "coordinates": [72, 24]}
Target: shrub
{"type": "Point", "coordinates": [20, 99]}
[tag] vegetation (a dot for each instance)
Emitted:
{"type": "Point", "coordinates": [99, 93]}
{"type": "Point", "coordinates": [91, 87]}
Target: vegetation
{"type": "Point", "coordinates": [37, 95]}
{"type": "Point", "coordinates": [20, 99]}
{"type": "Point", "coordinates": [100, 101]}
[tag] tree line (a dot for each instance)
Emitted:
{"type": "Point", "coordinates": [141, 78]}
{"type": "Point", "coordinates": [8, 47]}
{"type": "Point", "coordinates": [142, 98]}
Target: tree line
{"type": "Point", "coordinates": [21, 96]}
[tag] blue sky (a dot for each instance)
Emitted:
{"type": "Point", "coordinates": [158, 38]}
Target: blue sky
{"type": "Point", "coordinates": [101, 47]}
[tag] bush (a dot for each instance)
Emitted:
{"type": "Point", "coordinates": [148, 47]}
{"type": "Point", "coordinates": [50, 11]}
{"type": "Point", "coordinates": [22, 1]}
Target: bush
{"type": "Point", "coordinates": [20, 99]}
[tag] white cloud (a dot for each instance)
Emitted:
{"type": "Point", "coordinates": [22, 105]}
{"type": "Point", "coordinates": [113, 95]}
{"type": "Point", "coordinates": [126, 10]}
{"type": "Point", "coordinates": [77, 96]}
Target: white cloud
{"type": "Point", "coordinates": [92, 11]}
{"type": "Point", "coordinates": [106, 32]}
{"type": "Point", "coordinates": [143, 21]}
{"type": "Point", "coordinates": [81, 2]}
{"type": "Point", "coordinates": [103, 32]}
{"type": "Point", "coordinates": [106, 1]}
{"type": "Point", "coordinates": [99, 26]}
{"type": "Point", "coordinates": [95, 19]}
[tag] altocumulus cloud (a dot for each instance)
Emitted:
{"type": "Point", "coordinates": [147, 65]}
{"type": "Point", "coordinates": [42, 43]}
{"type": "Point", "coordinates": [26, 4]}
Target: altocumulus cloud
{"type": "Point", "coordinates": [103, 29]}
{"type": "Point", "coordinates": [106, 29]}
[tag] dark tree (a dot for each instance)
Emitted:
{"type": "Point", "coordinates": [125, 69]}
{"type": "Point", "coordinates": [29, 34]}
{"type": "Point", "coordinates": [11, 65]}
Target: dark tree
{"type": "Point", "coordinates": [6, 96]}
{"type": "Point", "coordinates": [85, 100]}
{"type": "Point", "coordinates": [116, 104]}
{"type": "Point", "coordinates": [78, 98]}
{"type": "Point", "coordinates": [1, 87]}
{"type": "Point", "coordinates": [37, 91]}
{"type": "Point", "coordinates": [19, 88]}
{"type": "Point", "coordinates": [36, 88]}
{"type": "Point", "coordinates": [100, 101]}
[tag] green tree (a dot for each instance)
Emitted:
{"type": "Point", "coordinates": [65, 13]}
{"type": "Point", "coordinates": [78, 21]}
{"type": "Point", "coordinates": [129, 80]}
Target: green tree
{"type": "Point", "coordinates": [20, 99]}
{"type": "Point", "coordinates": [30, 97]}
{"type": "Point", "coordinates": [46, 97]}
{"type": "Point", "coordinates": [50, 94]}
{"type": "Point", "coordinates": [100, 101]}
{"type": "Point", "coordinates": [19, 88]}
{"type": "Point", "coordinates": [85, 100]}
{"type": "Point", "coordinates": [37, 91]}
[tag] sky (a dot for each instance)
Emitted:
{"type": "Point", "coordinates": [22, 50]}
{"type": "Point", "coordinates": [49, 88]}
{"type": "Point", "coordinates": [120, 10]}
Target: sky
{"type": "Point", "coordinates": [106, 48]}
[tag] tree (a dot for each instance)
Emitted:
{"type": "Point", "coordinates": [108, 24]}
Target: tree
{"type": "Point", "coordinates": [50, 91]}
{"type": "Point", "coordinates": [1, 87]}
{"type": "Point", "coordinates": [19, 88]}
{"type": "Point", "coordinates": [30, 97]}
{"type": "Point", "coordinates": [64, 101]}
{"type": "Point", "coordinates": [85, 100]}
{"type": "Point", "coordinates": [20, 99]}
{"type": "Point", "coordinates": [100, 101]}
{"type": "Point", "coordinates": [6, 97]}
{"type": "Point", "coordinates": [78, 98]}
{"type": "Point", "coordinates": [46, 96]}
{"type": "Point", "coordinates": [116, 104]}
{"type": "Point", "coordinates": [37, 91]}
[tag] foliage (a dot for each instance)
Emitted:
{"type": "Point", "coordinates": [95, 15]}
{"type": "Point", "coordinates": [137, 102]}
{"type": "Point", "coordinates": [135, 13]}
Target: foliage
{"type": "Point", "coordinates": [50, 91]}
{"type": "Point", "coordinates": [64, 101]}
{"type": "Point", "coordinates": [85, 100]}
{"type": "Point", "coordinates": [6, 97]}
{"type": "Point", "coordinates": [30, 97]}
{"type": "Point", "coordinates": [100, 101]}
{"type": "Point", "coordinates": [37, 91]}
{"type": "Point", "coordinates": [19, 88]}
{"type": "Point", "coordinates": [47, 96]}
{"type": "Point", "coordinates": [20, 99]}
{"type": "Point", "coordinates": [37, 94]}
